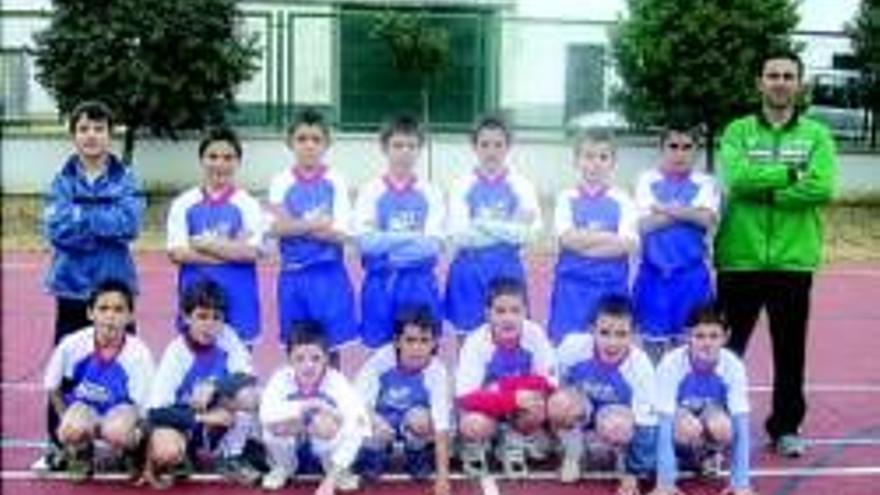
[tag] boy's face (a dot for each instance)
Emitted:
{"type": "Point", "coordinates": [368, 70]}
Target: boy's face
{"type": "Point", "coordinates": [91, 138]}
{"type": "Point", "coordinates": [613, 336]}
{"type": "Point", "coordinates": [309, 362]}
{"type": "Point", "coordinates": [308, 143]}
{"type": "Point", "coordinates": [219, 162]}
{"type": "Point", "coordinates": [595, 162]}
{"type": "Point", "coordinates": [779, 83]}
{"type": "Point", "coordinates": [204, 325]}
{"type": "Point", "coordinates": [506, 315]}
{"type": "Point", "coordinates": [491, 148]}
{"type": "Point", "coordinates": [110, 315]}
{"type": "Point", "coordinates": [402, 151]}
{"type": "Point", "coordinates": [678, 151]}
{"type": "Point", "coordinates": [415, 347]}
{"type": "Point", "coordinates": [706, 340]}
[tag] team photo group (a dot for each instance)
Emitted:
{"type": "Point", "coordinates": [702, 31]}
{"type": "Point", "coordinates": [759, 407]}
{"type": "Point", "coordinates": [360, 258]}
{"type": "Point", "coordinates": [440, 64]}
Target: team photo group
{"type": "Point", "coordinates": [638, 371]}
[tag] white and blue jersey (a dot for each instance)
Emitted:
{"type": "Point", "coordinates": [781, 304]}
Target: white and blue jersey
{"type": "Point", "coordinates": [392, 391]}
{"type": "Point", "coordinates": [490, 218]}
{"type": "Point", "coordinates": [399, 230]}
{"type": "Point", "coordinates": [313, 282]}
{"type": "Point", "coordinates": [234, 214]}
{"type": "Point", "coordinates": [482, 362]}
{"type": "Point", "coordinates": [184, 366]}
{"type": "Point", "coordinates": [88, 378]}
{"type": "Point", "coordinates": [581, 281]}
{"type": "Point", "coordinates": [683, 383]}
{"type": "Point", "coordinates": [673, 276]}
{"type": "Point", "coordinates": [629, 382]}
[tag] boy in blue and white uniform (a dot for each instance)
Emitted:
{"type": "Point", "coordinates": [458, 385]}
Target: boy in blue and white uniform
{"type": "Point", "coordinates": [309, 411]}
{"type": "Point", "coordinates": [215, 231]}
{"type": "Point", "coordinates": [596, 226]}
{"type": "Point", "coordinates": [678, 210]}
{"type": "Point", "coordinates": [493, 213]}
{"type": "Point", "coordinates": [606, 397]}
{"type": "Point", "coordinates": [204, 397]}
{"type": "Point", "coordinates": [703, 407]}
{"type": "Point", "coordinates": [97, 379]}
{"type": "Point", "coordinates": [399, 226]}
{"type": "Point", "coordinates": [310, 211]}
{"type": "Point", "coordinates": [406, 390]}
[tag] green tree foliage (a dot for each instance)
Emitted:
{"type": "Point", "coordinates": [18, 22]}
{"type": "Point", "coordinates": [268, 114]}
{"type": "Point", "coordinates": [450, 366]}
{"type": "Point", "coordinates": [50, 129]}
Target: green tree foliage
{"type": "Point", "coordinates": [162, 65]}
{"type": "Point", "coordinates": [865, 34]}
{"type": "Point", "coordinates": [696, 58]}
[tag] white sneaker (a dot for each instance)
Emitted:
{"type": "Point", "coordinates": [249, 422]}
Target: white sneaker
{"type": "Point", "coordinates": [570, 471]}
{"type": "Point", "coordinates": [473, 459]}
{"type": "Point", "coordinates": [275, 479]}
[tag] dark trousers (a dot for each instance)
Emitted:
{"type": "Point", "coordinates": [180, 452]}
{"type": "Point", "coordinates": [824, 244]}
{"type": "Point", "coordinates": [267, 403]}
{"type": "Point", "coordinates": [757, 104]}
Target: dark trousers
{"type": "Point", "coordinates": [786, 297]}
{"type": "Point", "coordinates": [70, 316]}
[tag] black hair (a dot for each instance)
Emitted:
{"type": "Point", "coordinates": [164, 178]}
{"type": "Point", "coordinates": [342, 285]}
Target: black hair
{"type": "Point", "coordinates": [615, 305]}
{"type": "Point", "coordinates": [307, 332]}
{"type": "Point", "coordinates": [309, 117]}
{"type": "Point", "coordinates": [92, 110]}
{"type": "Point", "coordinates": [415, 315]}
{"type": "Point", "coordinates": [405, 124]}
{"type": "Point", "coordinates": [491, 122]}
{"type": "Point", "coordinates": [594, 135]}
{"type": "Point", "coordinates": [706, 314]}
{"type": "Point", "coordinates": [777, 53]}
{"type": "Point", "coordinates": [112, 285]}
{"type": "Point", "coordinates": [204, 293]}
{"type": "Point", "coordinates": [505, 286]}
{"type": "Point", "coordinates": [223, 134]}
{"type": "Point", "coordinates": [682, 121]}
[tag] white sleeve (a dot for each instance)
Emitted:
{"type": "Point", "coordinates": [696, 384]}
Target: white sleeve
{"type": "Point", "coordinates": [528, 203]}
{"type": "Point", "coordinates": [645, 198]}
{"type": "Point", "coordinates": [434, 224]}
{"type": "Point", "coordinates": [355, 422]}
{"type": "Point", "coordinates": [274, 406]}
{"type": "Point", "coordinates": [437, 383]}
{"type": "Point", "coordinates": [628, 228]}
{"type": "Point", "coordinates": [562, 216]}
{"type": "Point", "coordinates": [175, 225]}
{"type": "Point", "coordinates": [574, 348]}
{"type": "Point", "coordinates": [471, 368]}
{"type": "Point", "coordinates": [709, 194]}
{"type": "Point", "coordinates": [253, 219]}
{"type": "Point", "coordinates": [367, 379]}
{"type": "Point", "coordinates": [459, 211]}
{"type": "Point", "coordinates": [240, 360]}
{"type": "Point", "coordinates": [341, 205]}
{"type": "Point", "coordinates": [643, 382]}
{"type": "Point", "coordinates": [365, 209]}
{"type": "Point", "coordinates": [141, 375]}
{"type": "Point", "coordinates": [57, 363]}
{"type": "Point", "coordinates": [737, 395]}
{"type": "Point", "coordinates": [669, 375]}
{"type": "Point", "coordinates": [168, 377]}
{"type": "Point", "coordinates": [278, 187]}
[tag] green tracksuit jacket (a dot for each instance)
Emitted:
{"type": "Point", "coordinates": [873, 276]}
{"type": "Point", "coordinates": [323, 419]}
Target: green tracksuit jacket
{"type": "Point", "coordinates": [776, 181]}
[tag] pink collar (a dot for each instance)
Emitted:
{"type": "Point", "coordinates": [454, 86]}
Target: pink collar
{"type": "Point", "coordinates": [219, 197]}
{"type": "Point", "coordinates": [303, 175]}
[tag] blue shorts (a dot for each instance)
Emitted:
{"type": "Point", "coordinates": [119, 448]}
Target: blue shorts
{"type": "Point", "coordinates": [664, 302]}
{"type": "Point", "coordinates": [385, 291]}
{"type": "Point", "coordinates": [574, 302]}
{"type": "Point", "coordinates": [467, 286]}
{"type": "Point", "coordinates": [319, 292]}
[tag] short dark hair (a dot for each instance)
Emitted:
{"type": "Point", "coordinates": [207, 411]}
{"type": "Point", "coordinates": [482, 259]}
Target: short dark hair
{"type": "Point", "coordinates": [309, 117]}
{"type": "Point", "coordinates": [92, 110]}
{"type": "Point", "coordinates": [224, 134]}
{"type": "Point", "coordinates": [307, 332]}
{"type": "Point", "coordinates": [681, 120]}
{"type": "Point", "coordinates": [706, 314]}
{"type": "Point", "coordinates": [112, 285]}
{"type": "Point", "coordinates": [505, 286]}
{"type": "Point", "coordinates": [594, 135]}
{"type": "Point", "coordinates": [784, 54]}
{"type": "Point", "coordinates": [491, 122]}
{"type": "Point", "coordinates": [615, 305]}
{"type": "Point", "coordinates": [405, 124]}
{"type": "Point", "coordinates": [415, 315]}
{"type": "Point", "coordinates": [203, 293]}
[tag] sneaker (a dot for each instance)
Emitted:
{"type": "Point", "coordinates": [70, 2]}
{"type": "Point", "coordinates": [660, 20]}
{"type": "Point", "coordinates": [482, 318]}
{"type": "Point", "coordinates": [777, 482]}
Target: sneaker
{"type": "Point", "coordinates": [473, 460]}
{"type": "Point", "coordinates": [419, 463]}
{"type": "Point", "coordinates": [538, 447]}
{"type": "Point", "coordinates": [570, 470]}
{"type": "Point", "coordinates": [239, 471]}
{"type": "Point", "coordinates": [275, 479]}
{"type": "Point", "coordinates": [346, 481]}
{"type": "Point", "coordinates": [51, 460]}
{"type": "Point", "coordinates": [512, 454]}
{"type": "Point", "coordinates": [791, 445]}
{"type": "Point", "coordinates": [712, 465]}
{"type": "Point", "coordinates": [78, 468]}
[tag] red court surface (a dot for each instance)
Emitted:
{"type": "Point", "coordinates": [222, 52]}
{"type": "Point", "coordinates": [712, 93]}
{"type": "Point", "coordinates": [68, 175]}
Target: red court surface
{"type": "Point", "coordinates": [843, 422]}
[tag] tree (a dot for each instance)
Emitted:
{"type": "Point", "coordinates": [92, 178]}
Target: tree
{"type": "Point", "coordinates": [163, 65]}
{"type": "Point", "coordinates": [865, 34]}
{"type": "Point", "coordinates": [696, 57]}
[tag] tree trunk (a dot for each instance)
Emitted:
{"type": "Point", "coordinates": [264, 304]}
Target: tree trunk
{"type": "Point", "coordinates": [128, 149]}
{"type": "Point", "coordinates": [710, 148]}
{"type": "Point", "coordinates": [426, 120]}
{"type": "Point", "coordinates": [874, 128]}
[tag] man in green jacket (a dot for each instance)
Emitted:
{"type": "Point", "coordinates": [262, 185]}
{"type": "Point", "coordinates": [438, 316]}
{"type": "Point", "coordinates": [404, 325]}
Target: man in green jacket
{"type": "Point", "coordinates": [778, 169]}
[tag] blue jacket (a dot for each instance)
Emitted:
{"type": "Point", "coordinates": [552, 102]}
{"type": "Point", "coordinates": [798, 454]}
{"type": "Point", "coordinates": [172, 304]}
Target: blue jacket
{"type": "Point", "coordinates": [90, 227]}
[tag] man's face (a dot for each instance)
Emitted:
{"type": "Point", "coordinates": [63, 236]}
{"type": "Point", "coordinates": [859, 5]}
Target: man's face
{"type": "Point", "coordinates": [780, 83]}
